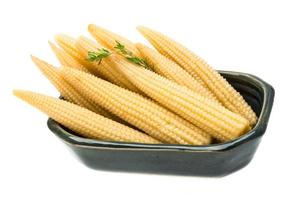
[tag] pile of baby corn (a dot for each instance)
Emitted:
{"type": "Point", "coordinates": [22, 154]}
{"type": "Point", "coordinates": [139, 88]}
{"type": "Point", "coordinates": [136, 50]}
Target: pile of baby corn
{"type": "Point", "coordinates": [116, 90]}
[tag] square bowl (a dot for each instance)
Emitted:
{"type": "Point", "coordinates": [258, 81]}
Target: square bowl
{"type": "Point", "coordinates": [209, 160]}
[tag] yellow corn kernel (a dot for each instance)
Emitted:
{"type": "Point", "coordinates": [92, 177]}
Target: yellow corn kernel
{"type": "Point", "coordinates": [108, 39]}
{"type": "Point", "coordinates": [83, 121]}
{"type": "Point", "coordinates": [66, 59]}
{"type": "Point", "coordinates": [67, 43]}
{"type": "Point", "coordinates": [135, 109]}
{"type": "Point", "coordinates": [65, 89]}
{"type": "Point", "coordinates": [208, 115]}
{"type": "Point", "coordinates": [107, 71]}
{"type": "Point", "coordinates": [200, 70]}
{"type": "Point", "coordinates": [172, 71]}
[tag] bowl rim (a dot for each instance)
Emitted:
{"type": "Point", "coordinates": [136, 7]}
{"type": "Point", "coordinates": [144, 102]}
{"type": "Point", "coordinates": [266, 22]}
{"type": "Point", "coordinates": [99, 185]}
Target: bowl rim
{"type": "Point", "coordinates": [258, 130]}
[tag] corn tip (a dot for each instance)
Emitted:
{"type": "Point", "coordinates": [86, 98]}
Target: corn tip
{"type": "Point", "coordinates": [32, 57]}
{"type": "Point", "coordinates": [21, 94]}
{"type": "Point", "coordinates": [91, 27]}
{"type": "Point", "coordinates": [17, 92]}
{"type": "Point", "coordinates": [44, 66]}
{"type": "Point", "coordinates": [140, 27]}
{"type": "Point", "coordinates": [35, 60]}
{"type": "Point", "coordinates": [61, 38]}
{"type": "Point", "coordinates": [52, 45]}
{"type": "Point", "coordinates": [58, 37]}
{"type": "Point", "coordinates": [143, 29]}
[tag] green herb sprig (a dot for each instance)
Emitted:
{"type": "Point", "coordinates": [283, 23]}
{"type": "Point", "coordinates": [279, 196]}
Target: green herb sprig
{"type": "Point", "coordinates": [98, 56]}
{"type": "Point", "coordinates": [131, 57]}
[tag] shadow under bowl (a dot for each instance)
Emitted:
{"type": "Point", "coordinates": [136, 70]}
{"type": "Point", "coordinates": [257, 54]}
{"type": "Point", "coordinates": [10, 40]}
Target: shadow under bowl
{"type": "Point", "coordinates": [209, 160]}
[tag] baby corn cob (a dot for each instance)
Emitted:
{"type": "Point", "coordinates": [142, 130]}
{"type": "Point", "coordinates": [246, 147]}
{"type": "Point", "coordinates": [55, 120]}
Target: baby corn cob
{"type": "Point", "coordinates": [108, 39]}
{"type": "Point", "coordinates": [201, 111]}
{"type": "Point", "coordinates": [65, 89]}
{"type": "Point", "coordinates": [65, 59]}
{"type": "Point", "coordinates": [172, 71]}
{"type": "Point", "coordinates": [83, 121]}
{"type": "Point", "coordinates": [110, 73]}
{"type": "Point", "coordinates": [201, 71]}
{"type": "Point", "coordinates": [135, 109]}
{"type": "Point", "coordinates": [67, 43]}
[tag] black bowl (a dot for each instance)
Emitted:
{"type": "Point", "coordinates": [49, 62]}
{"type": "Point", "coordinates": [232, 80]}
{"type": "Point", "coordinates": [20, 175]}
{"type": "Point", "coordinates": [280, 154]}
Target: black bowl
{"type": "Point", "coordinates": [210, 160]}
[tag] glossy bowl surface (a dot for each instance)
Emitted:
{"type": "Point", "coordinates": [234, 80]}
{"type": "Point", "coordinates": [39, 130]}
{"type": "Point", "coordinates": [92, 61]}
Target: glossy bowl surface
{"type": "Point", "coordinates": [211, 160]}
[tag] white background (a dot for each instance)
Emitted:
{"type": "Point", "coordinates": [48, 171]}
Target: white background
{"type": "Point", "coordinates": [262, 38]}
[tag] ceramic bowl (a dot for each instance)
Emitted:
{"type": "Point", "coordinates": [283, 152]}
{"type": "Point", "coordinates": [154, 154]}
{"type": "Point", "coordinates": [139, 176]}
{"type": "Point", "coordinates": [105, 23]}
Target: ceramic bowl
{"type": "Point", "coordinates": [210, 160]}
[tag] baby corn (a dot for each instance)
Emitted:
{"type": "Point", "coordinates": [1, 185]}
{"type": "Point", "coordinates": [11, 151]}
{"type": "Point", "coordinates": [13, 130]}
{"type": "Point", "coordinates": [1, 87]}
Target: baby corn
{"type": "Point", "coordinates": [201, 111]}
{"type": "Point", "coordinates": [200, 70]}
{"type": "Point", "coordinates": [65, 89]}
{"type": "Point", "coordinates": [108, 39]}
{"type": "Point", "coordinates": [65, 59]}
{"type": "Point", "coordinates": [135, 109]}
{"type": "Point", "coordinates": [115, 90]}
{"type": "Point", "coordinates": [83, 121]}
{"type": "Point", "coordinates": [110, 73]}
{"type": "Point", "coordinates": [172, 71]}
{"type": "Point", "coordinates": [67, 43]}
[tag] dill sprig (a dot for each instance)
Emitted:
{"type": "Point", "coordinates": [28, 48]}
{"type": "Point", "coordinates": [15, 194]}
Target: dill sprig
{"type": "Point", "coordinates": [130, 56]}
{"type": "Point", "coordinates": [98, 56]}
